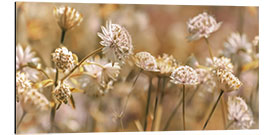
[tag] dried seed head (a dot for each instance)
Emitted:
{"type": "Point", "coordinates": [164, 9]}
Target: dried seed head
{"type": "Point", "coordinates": [166, 64]}
{"type": "Point", "coordinates": [228, 82]}
{"type": "Point", "coordinates": [116, 41]}
{"type": "Point", "coordinates": [184, 75]}
{"type": "Point", "coordinates": [33, 101]}
{"type": "Point", "coordinates": [146, 61]}
{"type": "Point", "coordinates": [67, 17]}
{"type": "Point", "coordinates": [62, 92]}
{"type": "Point", "coordinates": [202, 25]}
{"type": "Point", "coordinates": [239, 113]}
{"type": "Point", "coordinates": [63, 59]}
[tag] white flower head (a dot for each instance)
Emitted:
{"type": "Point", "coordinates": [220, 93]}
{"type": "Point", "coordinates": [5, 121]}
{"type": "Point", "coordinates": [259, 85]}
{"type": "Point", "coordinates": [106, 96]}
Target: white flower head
{"type": "Point", "coordinates": [223, 63]}
{"type": "Point", "coordinates": [63, 59]}
{"type": "Point", "coordinates": [184, 75]}
{"type": "Point", "coordinates": [146, 61]}
{"type": "Point", "coordinates": [239, 113]}
{"type": "Point", "coordinates": [24, 57]}
{"type": "Point", "coordinates": [111, 71]}
{"type": "Point", "coordinates": [116, 41]}
{"type": "Point", "coordinates": [33, 101]}
{"type": "Point", "coordinates": [202, 25]}
{"type": "Point", "coordinates": [227, 80]}
{"type": "Point", "coordinates": [67, 17]}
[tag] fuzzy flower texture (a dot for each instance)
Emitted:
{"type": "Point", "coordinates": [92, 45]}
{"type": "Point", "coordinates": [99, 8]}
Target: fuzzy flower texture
{"type": "Point", "coordinates": [116, 41]}
{"type": "Point", "coordinates": [202, 25]}
{"type": "Point", "coordinates": [63, 59]}
{"type": "Point", "coordinates": [184, 75]}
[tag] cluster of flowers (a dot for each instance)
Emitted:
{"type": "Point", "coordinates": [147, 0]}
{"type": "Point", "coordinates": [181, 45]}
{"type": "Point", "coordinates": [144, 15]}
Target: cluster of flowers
{"type": "Point", "coordinates": [116, 46]}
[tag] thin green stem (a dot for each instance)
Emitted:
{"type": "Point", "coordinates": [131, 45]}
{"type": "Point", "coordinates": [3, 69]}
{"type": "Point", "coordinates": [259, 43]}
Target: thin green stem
{"type": "Point", "coordinates": [21, 119]}
{"type": "Point", "coordinates": [52, 116]}
{"type": "Point", "coordinates": [147, 104]}
{"type": "Point", "coordinates": [63, 36]}
{"type": "Point", "coordinates": [173, 113]}
{"type": "Point", "coordinates": [156, 103]}
{"type": "Point", "coordinates": [81, 62]}
{"type": "Point", "coordinates": [184, 120]}
{"type": "Point", "coordinates": [56, 77]}
{"type": "Point", "coordinates": [213, 109]}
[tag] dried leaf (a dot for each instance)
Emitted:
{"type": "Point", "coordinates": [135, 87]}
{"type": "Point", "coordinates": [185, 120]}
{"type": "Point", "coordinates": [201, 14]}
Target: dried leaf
{"type": "Point", "coordinates": [251, 65]}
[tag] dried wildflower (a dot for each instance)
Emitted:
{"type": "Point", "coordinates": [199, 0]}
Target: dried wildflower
{"type": "Point", "coordinates": [22, 83]}
{"type": "Point", "coordinates": [221, 63]}
{"type": "Point", "coordinates": [62, 92]}
{"type": "Point", "coordinates": [24, 57]}
{"type": "Point", "coordinates": [236, 43]}
{"type": "Point", "coordinates": [110, 71]}
{"type": "Point", "coordinates": [67, 17]}
{"type": "Point", "coordinates": [146, 61]}
{"type": "Point", "coordinates": [63, 59]}
{"type": "Point", "coordinates": [184, 75]}
{"type": "Point", "coordinates": [116, 41]}
{"type": "Point", "coordinates": [239, 113]}
{"type": "Point", "coordinates": [228, 82]}
{"type": "Point", "coordinates": [202, 25]}
{"type": "Point", "coordinates": [166, 64]}
{"type": "Point", "coordinates": [33, 101]}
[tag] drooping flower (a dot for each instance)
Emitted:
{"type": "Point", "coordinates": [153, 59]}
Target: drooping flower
{"type": "Point", "coordinates": [202, 25]}
{"type": "Point", "coordinates": [166, 64]}
{"type": "Point", "coordinates": [62, 92]}
{"type": "Point", "coordinates": [146, 61]}
{"type": "Point", "coordinates": [184, 75]}
{"type": "Point", "coordinates": [227, 81]}
{"type": "Point", "coordinates": [24, 57]}
{"type": "Point", "coordinates": [63, 59]}
{"type": "Point", "coordinates": [67, 17]}
{"type": "Point", "coordinates": [116, 41]}
{"type": "Point", "coordinates": [239, 113]}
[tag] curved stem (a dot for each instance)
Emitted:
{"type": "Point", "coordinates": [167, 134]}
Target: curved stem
{"type": "Point", "coordinates": [21, 119]}
{"type": "Point", "coordinates": [39, 70]}
{"type": "Point", "coordinates": [213, 109]}
{"type": "Point", "coordinates": [81, 62]}
{"type": "Point", "coordinates": [147, 104]}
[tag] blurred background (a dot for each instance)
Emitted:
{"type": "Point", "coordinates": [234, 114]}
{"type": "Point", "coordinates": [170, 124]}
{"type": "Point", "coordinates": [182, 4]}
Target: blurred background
{"type": "Point", "coordinates": [154, 28]}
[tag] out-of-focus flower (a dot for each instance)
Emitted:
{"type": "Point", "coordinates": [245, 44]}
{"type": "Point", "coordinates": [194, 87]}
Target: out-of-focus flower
{"type": "Point", "coordinates": [227, 81]}
{"type": "Point", "coordinates": [62, 92]}
{"type": "Point", "coordinates": [146, 61]}
{"type": "Point", "coordinates": [166, 64]}
{"type": "Point", "coordinates": [110, 71]}
{"type": "Point", "coordinates": [33, 101]}
{"type": "Point", "coordinates": [24, 57]}
{"type": "Point", "coordinates": [22, 84]}
{"type": "Point", "coordinates": [116, 41]}
{"type": "Point", "coordinates": [239, 113]}
{"type": "Point", "coordinates": [202, 25]}
{"type": "Point", "coordinates": [184, 75]}
{"type": "Point", "coordinates": [67, 17]}
{"type": "Point", "coordinates": [63, 59]}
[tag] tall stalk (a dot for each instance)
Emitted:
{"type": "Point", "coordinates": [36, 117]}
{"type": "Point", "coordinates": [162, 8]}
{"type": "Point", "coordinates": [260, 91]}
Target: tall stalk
{"type": "Point", "coordinates": [147, 104]}
{"type": "Point", "coordinates": [184, 120]}
{"type": "Point", "coordinates": [156, 102]}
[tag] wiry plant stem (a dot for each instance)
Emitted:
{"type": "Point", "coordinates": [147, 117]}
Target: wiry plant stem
{"type": "Point", "coordinates": [63, 36]}
{"type": "Point", "coordinates": [147, 104]}
{"type": "Point", "coordinates": [184, 120]}
{"type": "Point", "coordinates": [223, 111]}
{"type": "Point", "coordinates": [21, 119]}
{"type": "Point", "coordinates": [173, 113]}
{"type": "Point", "coordinates": [213, 109]}
{"type": "Point", "coordinates": [156, 102]}
{"type": "Point", "coordinates": [209, 49]}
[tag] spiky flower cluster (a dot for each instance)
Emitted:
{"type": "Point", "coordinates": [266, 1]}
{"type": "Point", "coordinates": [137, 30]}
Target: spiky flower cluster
{"type": "Point", "coordinates": [202, 25]}
{"type": "Point", "coordinates": [62, 92]}
{"type": "Point", "coordinates": [239, 113]}
{"type": "Point", "coordinates": [222, 63]}
{"type": "Point", "coordinates": [146, 61]}
{"type": "Point", "coordinates": [227, 80]}
{"type": "Point", "coordinates": [184, 75]}
{"type": "Point", "coordinates": [67, 17]}
{"type": "Point", "coordinates": [22, 83]}
{"type": "Point", "coordinates": [63, 59]}
{"type": "Point", "coordinates": [166, 64]}
{"type": "Point", "coordinates": [116, 41]}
